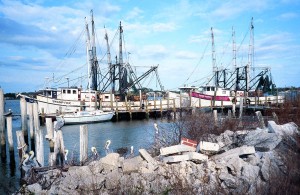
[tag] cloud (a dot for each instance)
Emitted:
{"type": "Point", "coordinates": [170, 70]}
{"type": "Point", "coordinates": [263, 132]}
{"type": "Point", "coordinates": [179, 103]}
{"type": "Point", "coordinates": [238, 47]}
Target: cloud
{"type": "Point", "coordinates": [288, 16]}
{"type": "Point", "coordinates": [134, 13]}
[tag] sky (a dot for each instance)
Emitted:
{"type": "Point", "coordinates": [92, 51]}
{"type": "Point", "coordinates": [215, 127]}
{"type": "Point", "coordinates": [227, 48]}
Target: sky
{"type": "Point", "coordinates": [42, 40]}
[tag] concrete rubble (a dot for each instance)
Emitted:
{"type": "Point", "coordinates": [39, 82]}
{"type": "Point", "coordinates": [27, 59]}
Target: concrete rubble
{"type": "Point", "coordinates": [232, 163]}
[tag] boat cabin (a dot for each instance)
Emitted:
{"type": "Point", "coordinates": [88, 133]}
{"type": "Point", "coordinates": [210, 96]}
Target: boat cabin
{"type": "Point", "coordinates": [213, 90]}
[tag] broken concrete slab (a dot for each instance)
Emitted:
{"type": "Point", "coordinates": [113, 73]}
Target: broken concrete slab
{"type": "Point", "coordinates": [132, 164]}
{"type": "Point", "coordinates": [176, 158]}
{"type": "Point", "coordinates": [243, 150]}
{"type": "Point", "coordinates": [196, 157]}
{"type": "Point", "coordinates": [176, 149]}
{"type": "Point", "coordinates": [145, 155]}
{"type": "Point", "coordinates": [208, 147]}
{"type": "Point", "coordinates": [110, 161]}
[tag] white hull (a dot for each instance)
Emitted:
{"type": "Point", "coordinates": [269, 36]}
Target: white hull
{"type": "Point", "coordinates": [86, 117]}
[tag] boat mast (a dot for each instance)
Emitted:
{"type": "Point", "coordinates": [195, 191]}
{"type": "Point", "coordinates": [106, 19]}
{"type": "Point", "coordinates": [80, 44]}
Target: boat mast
{"type": "Point", "coordinates": [110, 66]}
{"type": "Point", "coordinates": [250, 55]}
{"type": "Point", "coordinates": [93, 55]}
{"type": "Point", "coordinates": [121, 68]}
{"type": "Point", "coordinates": [213, 56]}
{"type": "Point", "coordinates": [88, 48]}
{"type": "Point", "coordinates": [234, 55]}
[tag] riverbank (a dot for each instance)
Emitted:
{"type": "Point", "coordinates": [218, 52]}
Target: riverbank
{"type": "Point", "coordinates": [260, 161]}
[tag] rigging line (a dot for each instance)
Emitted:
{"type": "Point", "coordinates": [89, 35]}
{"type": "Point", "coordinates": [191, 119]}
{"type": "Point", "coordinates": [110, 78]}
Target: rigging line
{"type": "Point", "coordinates": [225, 47]}
{"type": "Point", "coordinates": [61, 77]}
{"type": "Point", "coordinates": [197, 63]}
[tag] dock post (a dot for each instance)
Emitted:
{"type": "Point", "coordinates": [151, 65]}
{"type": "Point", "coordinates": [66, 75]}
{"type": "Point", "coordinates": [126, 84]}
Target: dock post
{"type": "Point", "coordinates": [233, 109]}
{"type": "Point", "coordinates": [22, 147]}
{"type": "Point", "coordinates": [199, 102]}
{"type": "Point", "coordinates": [180, 99]}
{"type": "Point", "coordinates": [126, 103]}
{"type": "Point", "coordinates": [260, 119]}
{"type": "Point", "coordinates": [215, 117]}
{"type": "Point", "coordinates": [140, 92]}
{"type": "Point", "coordinates": [241, 107]}
{"type": "Point", "coordinates": [117, 110]}
{"type": "Point", "coordinates": [147, 110]}
{"type": "Point", "coordinates": [275, 117]}
{"type": "Point", "coordinates": [130, 113]}
{"type": "Point", "coordinates": [39, 146]}
{"type": "Point", "coordinates": [111, 101]}
{"type": "Point", "coordinates": [168, 103]}
{"type": "Point", "coordinates": [49, 126]}
{"type": "Point", "coordinates": [23, 107]}
{"type": "Point", "coordinates": [36, 122]}
{"type": "Point", "coordinates": [83, 144]}
{"type": "Point", "coordinates": [9, 134]}
{"type": "Point", "coordinates": [154, 99]}
{"type": "Point", "coordinates": [174, 108]}
{"type": "Point", "coordinates": [160, 104]}
{"type": "Point", "coordinates": [59, 149]}
{"type": "Point", "coordinates": [229, 114]}
{"type": "Point", "coordinates": [30, 114]}
{"type": "Point", "coordinates": [42, 117]}
{"type": "Point", "coordinates": [2, 125]}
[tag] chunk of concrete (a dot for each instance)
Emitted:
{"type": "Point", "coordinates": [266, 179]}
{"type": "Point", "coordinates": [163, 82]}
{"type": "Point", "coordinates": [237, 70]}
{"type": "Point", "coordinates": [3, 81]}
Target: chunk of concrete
{"type": "Point", "coordinates": [286, 129]}
{"type": "Point", "coordinates": [208, 147]}
{"type": "Point", "coordinates": [262, 140]}
{"type": "Point", "coordinates": [110, 161]}
{"type": "Point", "coordinates": [243, 150]}
{"type": "Point", "coordinates": [176, 158]}
{"type": "Point", "coordinates": [176, 149]}
{"type": "Point", "coordinates": [145, 155]}
{"type": "Point", "coordinates": [132, 164]}
{"type": "Point", "coordinates": [196, 157]}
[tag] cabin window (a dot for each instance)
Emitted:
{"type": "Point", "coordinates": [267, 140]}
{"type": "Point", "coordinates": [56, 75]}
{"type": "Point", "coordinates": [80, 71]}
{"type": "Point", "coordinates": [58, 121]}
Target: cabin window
{"type": "Point", "coordinates": [64, 91]}
{"type": "Point", "coordinates": [74, 91]}
{"type": "Point", "coordinates": [208, 89]}
{"type": "Point", "coordinates": [106, 97]}
{"type": "Point", "coordinates": [213, 89]}
{"type": "Point", "coordinates": [69, 91]}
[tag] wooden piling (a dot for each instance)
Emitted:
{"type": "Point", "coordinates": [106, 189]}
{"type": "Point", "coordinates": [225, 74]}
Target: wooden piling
{"type": "Point", "coordinates": [36, 122]}
{"type": "Point", "coordinates": [2, 124]}
{"type": "Point", "coordinates": [30, 116]}
{"type": "Point", "coordinates": [49, 126]}
{"type": "Point", "coordinates": [229, 114]}
{"type": "Point", "coordinates": [216, 117]}
{"type": "Point", "coordinates": [154, 99]}
{"type": "Point", "coordinates": [233, 110]}
{"type": "Point", "coordinates": [260, 119]}
{"type": "Point", "coordinates": [160, 105]}
{"type": "Point", "coordinates": [23, 108]}
{"type": "Point", "coordinates": [275, 117]}
{"type": "Point", "coordinates": [147, 110]}
{"type": "Point", "coordinates": [59, 149]}
{"type": "Point", "coordinates": [22, 147]}
{"type": "Point", "coordinates": [241, 107]}
{"type": "Point", "coordinates": [141, 98]}
{"type": "Point", "coordinates": [117, 110]}
{"type": "Point", "coordinates": [83, 143]}
{"type": "Point", "coordinates": [9, 133]}
{"type": "Point", "coordinates": [39, 146]}
{"type": "Point", "coordinates": [130, 113]}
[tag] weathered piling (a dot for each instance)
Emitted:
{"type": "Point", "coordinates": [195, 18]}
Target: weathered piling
{"type": "Point", "coordinates": [9, 133]}
{"type": "Point", "coordinates": [260, 119]}
{"type": "Point", "coordinates": [2, 125]}
{"type": "Point", "coordinates": [275, 117]}
{"type": "Point", "coordinates": [36, 122]}
{"type": "Point", "coordinates": [233, 110]}
{"type": "Point", "coordinates": [229, 114]}
{"type": "Point", "coordinates": [39, 146]}
{"type": "Point", "coordinates": [83, 143]}
{"type": "Point", "coordinates": [30, 122]}
{"type": "Point", "coordinates": [22, 147]}
{"type": "Point", "coordinates": [49, 127]}
{"type": "Point", "coordinates": [215, 117]}
{"type": "Point", "coordinates": [59, 148]}
{"type": "Point", "coordinates": [241, 107]}
{"type": "Point", "coordinates": [23, 108]}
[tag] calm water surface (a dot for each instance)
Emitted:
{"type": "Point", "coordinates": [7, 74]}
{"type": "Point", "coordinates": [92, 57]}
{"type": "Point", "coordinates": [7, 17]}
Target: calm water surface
{"type": "Point", "coordinates": [136, 133]}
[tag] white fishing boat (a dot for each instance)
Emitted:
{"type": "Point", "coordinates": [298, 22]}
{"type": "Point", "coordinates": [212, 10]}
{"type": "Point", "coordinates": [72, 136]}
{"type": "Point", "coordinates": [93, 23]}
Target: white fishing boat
{"type": "Point", "coordinates": [82, 117]}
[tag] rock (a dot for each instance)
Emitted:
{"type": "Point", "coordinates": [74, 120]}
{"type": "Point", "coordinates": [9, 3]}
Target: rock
{"type": "Point", "coordinates": [262, 140]}
{"type": "Point", "coordinates": [229, 180]}
{"type": "Point", "coordinates": [35, 188]}
{"type": "Point", "coordinates": [208, 147]}
{"type": "Point", "coordinates": [110, 161]}
{"type": "Point", "coordinates": [286, 129]}
{"type": "Point", "coordinates": [132, 164]}
{"type": "Point", "coordinates": [243, 150]}
{"type": "Point", "coordinates": [176, 149]}
{"type": "Point", "coordinates": [251, 172]}
{"type": "Point", "coordinates": [112, 179]}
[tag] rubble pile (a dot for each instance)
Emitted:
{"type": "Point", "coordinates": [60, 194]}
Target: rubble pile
{"type": "Point", "coordinates": [242, 162]}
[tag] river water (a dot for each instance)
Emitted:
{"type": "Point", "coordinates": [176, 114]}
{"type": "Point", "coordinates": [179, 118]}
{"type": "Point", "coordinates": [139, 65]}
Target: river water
{"type": "Point", "coordinates": [136, 133]}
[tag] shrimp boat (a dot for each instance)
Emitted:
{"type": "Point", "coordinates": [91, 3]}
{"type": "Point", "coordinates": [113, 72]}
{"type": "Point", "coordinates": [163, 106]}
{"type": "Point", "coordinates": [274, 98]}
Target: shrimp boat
{"type": "Point", "coordinates": [102, 92]}
{"type": "Point", "coordinates": [85, 117]}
